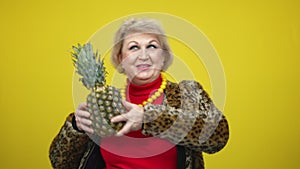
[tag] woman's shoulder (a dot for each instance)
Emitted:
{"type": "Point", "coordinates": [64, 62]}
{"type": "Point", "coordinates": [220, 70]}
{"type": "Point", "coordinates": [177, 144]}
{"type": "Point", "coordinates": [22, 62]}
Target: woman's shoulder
{"type": "Point", "coordinates": [184, 84]}
{"type": "Point", "coordinates": [183, 89]}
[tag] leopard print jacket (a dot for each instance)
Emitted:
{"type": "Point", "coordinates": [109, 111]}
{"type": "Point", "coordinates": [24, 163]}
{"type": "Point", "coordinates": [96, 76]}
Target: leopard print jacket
{"type": "Point", "coordinates": [187, 118]}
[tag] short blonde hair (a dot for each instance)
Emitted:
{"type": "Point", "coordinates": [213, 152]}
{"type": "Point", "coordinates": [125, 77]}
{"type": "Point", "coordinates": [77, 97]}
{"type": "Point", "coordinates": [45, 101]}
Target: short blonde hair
{"type": "Point", "coordinates": [141, 25]}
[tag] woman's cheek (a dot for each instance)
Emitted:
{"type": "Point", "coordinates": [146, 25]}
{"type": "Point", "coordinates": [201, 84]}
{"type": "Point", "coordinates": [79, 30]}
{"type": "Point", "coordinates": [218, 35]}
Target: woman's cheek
{"type": "Point", "coordinates": [129, 69]}
{"type": "Point", "coordinates": [160, 62]}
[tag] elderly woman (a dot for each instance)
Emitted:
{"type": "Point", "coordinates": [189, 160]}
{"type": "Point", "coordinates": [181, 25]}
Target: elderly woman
{"type": "Point", "coordinates": [168, 131]}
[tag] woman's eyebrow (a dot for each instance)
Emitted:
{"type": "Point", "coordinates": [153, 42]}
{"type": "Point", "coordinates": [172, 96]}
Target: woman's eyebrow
{"type": "Point", "coordinates": [154, 40]}
{"type": "Point", "coordinates": [132, 42]}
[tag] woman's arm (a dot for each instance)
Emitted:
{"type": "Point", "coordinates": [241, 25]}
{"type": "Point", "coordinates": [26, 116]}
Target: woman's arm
{"type": "Point", "coordinates": [189, 118]}
{"type": "Point", "coordinates": [68, 147]}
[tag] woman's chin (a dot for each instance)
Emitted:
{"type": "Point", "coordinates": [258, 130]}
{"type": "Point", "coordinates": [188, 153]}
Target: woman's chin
{"type": "Point", "coordinates": [145, 74]}
{"type": "Point", "coordinates": [143, 78]}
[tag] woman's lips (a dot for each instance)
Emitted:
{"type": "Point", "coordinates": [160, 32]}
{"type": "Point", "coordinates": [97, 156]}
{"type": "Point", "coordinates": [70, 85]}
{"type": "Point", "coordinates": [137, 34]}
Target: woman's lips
{"type": "Point", "coordinates": [143, 66]}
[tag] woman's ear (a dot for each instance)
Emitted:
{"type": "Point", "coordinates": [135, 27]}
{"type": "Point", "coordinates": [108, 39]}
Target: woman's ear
{"type": "Point", "coordinates": [120, 68]}
{"type": "Point", "coordinates": [119, 56]}
{"type": "Point", "coordinates": [163, 62]}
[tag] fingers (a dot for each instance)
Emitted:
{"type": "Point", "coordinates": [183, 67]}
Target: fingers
{"type": "Point", "coordinates": [82, 118]}
{"type": "Point", "coordinates": [84, 122]}
{"type": "Point", "coordinates": [82, 106]}
{"type": "Point", "coordinates": [127, 105]}
{"type": "Point", "coordinates": [133, 118]}
{"type": "Point", "coordinates": [126, 129]}
{"type": "Point", "coordinates": [82, 114]}
{"type": "Point", "coordinates": [132, 107]}
{"type": "Point", "coordinates": [85, 128]}
{"type": "Point", "coordinates": [119, 118]}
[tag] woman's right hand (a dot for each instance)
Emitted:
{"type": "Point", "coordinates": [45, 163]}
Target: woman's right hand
{"type": "Point", "coordinates": [82, 117]}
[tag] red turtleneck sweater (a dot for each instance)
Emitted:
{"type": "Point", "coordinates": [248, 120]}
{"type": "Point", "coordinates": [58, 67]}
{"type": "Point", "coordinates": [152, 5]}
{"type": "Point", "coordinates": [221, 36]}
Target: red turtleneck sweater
{"type": "Point", "coordinates": [135, 150]}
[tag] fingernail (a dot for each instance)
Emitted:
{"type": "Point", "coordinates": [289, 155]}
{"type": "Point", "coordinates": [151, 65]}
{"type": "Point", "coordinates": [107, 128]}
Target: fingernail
{"type": "Point", "coordinates": [119, 134]}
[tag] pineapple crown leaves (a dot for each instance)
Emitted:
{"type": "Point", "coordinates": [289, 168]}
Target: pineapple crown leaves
{"type": "Point", "coordinates": [89, 66]}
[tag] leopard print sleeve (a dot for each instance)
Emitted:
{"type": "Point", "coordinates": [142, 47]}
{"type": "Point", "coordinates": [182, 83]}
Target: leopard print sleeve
{"type": "Point", "coordinates": [189, 119]}
{"type": "Point", "coordinates": [67, 148]}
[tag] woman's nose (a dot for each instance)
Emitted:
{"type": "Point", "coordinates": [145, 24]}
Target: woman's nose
{"type": "Point", "coordinates": [144, 54]}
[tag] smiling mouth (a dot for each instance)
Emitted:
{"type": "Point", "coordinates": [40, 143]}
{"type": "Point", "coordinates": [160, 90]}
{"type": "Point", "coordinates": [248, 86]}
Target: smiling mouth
{"type": "Point", "coordinates": [143, 66]}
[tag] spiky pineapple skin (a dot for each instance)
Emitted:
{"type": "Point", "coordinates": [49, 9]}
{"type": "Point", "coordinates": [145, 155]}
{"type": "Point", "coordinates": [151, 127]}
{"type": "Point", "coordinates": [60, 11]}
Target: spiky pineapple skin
{"type": "Point", "coordinates": [103, 104]}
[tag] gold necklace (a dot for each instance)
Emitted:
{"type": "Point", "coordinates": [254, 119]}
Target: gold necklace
{"type": "Point", "coordinates": [154, 96]}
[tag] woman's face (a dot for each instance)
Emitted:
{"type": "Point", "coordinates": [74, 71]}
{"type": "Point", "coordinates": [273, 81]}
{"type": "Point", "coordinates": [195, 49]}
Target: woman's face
{"type": "Point", "coordinates": [141, 58]}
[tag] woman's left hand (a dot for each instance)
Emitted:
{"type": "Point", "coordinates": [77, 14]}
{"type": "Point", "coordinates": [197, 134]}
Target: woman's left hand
{"type": "Point", "coordinates": [133, 118]}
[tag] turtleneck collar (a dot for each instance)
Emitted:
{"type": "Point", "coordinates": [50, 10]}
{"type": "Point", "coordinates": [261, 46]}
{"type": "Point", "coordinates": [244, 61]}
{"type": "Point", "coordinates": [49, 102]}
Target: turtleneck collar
{"type": "Point", "coordinates": [137, 94]}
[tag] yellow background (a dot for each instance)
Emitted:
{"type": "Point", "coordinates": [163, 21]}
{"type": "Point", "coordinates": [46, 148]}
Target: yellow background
{"type": "Point", "coordinates": [257, 41]}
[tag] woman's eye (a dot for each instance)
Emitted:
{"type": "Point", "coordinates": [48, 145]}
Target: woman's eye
{"type": "Point", "coordinates": [133, 47]}
{"type": "Point", "coordinates": [151, 46]}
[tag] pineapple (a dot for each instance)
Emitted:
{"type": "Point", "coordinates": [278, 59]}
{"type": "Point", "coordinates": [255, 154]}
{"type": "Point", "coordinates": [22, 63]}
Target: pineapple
{"type": "Point", "coordinates": [103, 102]}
